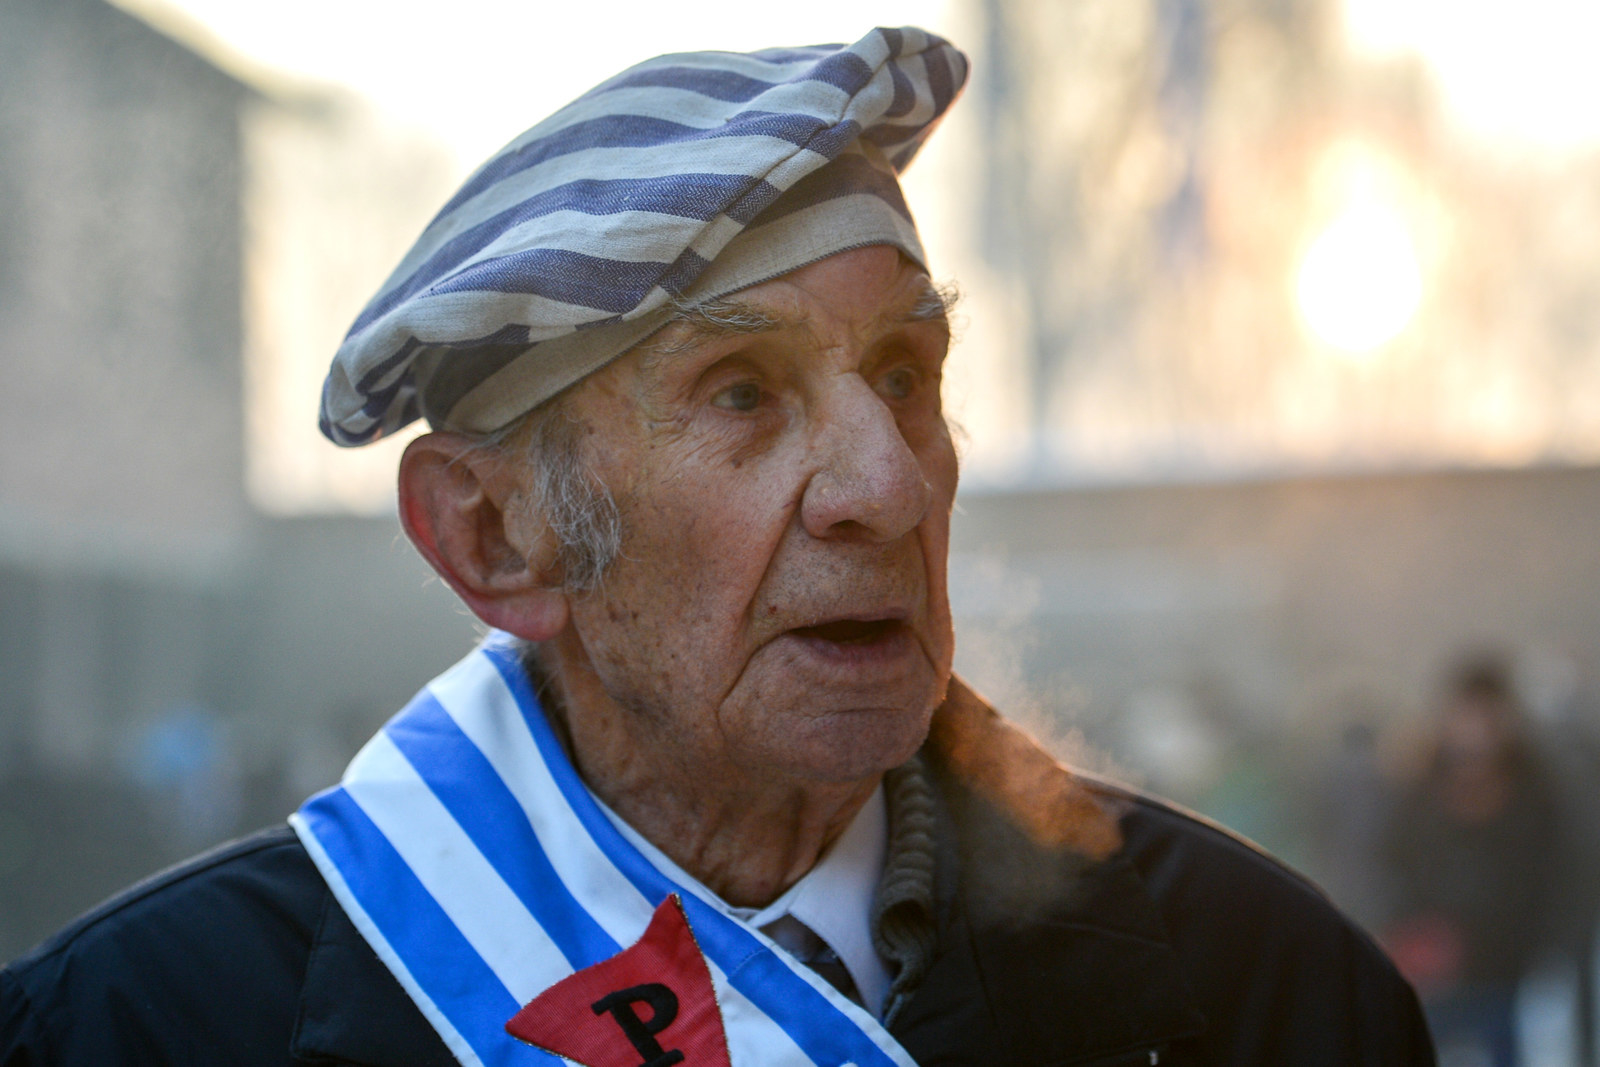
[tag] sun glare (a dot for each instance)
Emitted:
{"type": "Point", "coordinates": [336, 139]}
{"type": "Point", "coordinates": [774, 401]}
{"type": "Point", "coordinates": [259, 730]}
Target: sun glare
{"type": "Point", "coordinates": [1360, 279]}
{"type": "Point", "coordinates": [1360, 282]}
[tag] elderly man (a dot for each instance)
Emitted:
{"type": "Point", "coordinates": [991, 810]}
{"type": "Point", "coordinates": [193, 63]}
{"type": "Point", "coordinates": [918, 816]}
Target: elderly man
{"type": "Point", "coordinates": [708, 792]}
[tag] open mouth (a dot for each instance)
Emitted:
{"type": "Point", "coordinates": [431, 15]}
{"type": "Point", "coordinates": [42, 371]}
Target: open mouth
{"type": "Point", "coordinates": [853, 631]}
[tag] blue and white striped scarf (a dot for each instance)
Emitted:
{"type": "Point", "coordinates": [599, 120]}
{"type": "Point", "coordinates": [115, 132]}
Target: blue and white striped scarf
{"type": "Point", "coordinates": [470, 855]}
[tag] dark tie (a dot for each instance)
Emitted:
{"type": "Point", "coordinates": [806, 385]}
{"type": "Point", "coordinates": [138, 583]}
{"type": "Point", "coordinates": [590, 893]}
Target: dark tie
{"type": "Point", "coordinates": [804, 945]}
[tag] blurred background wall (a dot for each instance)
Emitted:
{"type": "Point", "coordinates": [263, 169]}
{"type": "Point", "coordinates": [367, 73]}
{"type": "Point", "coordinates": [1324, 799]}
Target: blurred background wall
{"type": "Point", "coordinates": [175, 664]}
{"type": "Point", "coordinates": [1279, 377]}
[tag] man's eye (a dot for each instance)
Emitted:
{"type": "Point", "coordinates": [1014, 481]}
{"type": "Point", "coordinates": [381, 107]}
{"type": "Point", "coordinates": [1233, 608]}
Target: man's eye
{"type": "Point", "coordinates": [746, 396]}
{"type": "Point", "coordinates": [900, 383]}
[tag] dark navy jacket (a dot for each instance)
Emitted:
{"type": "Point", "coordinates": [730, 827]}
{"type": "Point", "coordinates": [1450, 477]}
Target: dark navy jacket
{"type": "Point", "coordinates": [1188, 946]}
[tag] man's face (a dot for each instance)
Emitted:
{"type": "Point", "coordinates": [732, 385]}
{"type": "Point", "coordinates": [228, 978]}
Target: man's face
{"type": "Point", "coordinates": [779, 605]}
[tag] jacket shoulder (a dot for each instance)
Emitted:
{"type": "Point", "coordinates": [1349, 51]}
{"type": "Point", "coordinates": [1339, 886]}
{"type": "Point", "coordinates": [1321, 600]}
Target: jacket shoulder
{"type": "Point", "coordinates": [200, 963]}
{"type": "Point", "coordinates": [1181, 851]}
{"type": "Point", "coordinates": [1151, 927]}
{"type": "Point", "coordinates": [1274, 965]}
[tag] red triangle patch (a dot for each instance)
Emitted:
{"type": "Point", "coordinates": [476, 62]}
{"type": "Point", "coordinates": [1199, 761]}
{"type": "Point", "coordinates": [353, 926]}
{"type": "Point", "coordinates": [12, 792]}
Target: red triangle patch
{"type": "Point", "coordinates": [650, 1005]}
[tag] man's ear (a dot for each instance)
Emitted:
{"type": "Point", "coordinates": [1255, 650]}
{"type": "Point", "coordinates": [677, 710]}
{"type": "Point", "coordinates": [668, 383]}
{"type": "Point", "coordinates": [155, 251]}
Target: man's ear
{"type": "Point", "coordinates": [466, 510]}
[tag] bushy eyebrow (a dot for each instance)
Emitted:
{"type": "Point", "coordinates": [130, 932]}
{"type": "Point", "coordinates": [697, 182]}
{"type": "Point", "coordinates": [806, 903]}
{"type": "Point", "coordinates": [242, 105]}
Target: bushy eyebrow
{"type": "Point", "coordinates": [936, 301]}
{"type": "Point", "coordinates": [706, 319]}
{"type": "Point", "coordinates": [725, 316]}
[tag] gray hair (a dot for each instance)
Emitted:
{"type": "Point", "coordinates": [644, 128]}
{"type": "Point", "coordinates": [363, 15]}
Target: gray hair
{"type": "Point", "coordinates": [579, 507]}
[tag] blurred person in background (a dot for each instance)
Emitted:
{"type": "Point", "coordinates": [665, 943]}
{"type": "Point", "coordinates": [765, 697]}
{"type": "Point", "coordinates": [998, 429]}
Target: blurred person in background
{"type": "Point", "coordinates": [1475, 850]}
{"type": "Point", "coordinates": [1348, 815]}
{"type": "Point", "coordinates": [709, 792]}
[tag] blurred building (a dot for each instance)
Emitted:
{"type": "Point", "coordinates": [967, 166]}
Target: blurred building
{"type": "Point", "coordinates": [169, 658]}
{"type": "Point", "coordinates": [120, 330]}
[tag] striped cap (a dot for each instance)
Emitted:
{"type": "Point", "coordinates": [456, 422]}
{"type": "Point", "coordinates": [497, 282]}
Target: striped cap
{"type": "Point", "coordinates": [688, 176]}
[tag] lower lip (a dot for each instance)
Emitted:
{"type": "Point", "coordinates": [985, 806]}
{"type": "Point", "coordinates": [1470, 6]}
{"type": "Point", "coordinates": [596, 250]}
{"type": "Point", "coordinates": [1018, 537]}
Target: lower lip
{"type": "Point", "coordinates": [886, 649]}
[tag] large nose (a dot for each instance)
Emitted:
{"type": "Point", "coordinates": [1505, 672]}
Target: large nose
{"type": "Point", "coordinates": [868, 483]}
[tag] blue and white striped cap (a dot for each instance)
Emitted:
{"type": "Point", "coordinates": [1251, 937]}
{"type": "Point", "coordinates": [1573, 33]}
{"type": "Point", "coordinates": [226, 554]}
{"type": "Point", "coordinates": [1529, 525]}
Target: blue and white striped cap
{"type": "Point", "coordinates": [687, 176]}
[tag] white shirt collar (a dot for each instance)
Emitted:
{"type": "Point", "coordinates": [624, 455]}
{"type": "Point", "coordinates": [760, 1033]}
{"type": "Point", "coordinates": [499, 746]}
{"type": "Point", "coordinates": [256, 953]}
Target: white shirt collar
{"type": "Point", "coordinates": [833, 899]}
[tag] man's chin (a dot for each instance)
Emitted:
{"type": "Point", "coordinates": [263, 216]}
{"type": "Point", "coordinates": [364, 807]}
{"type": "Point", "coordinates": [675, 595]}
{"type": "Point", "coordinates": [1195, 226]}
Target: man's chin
{"type": "Point", "coordinates": [857, 746]}
{"type": "Point", "coordinates": [825, 735]}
